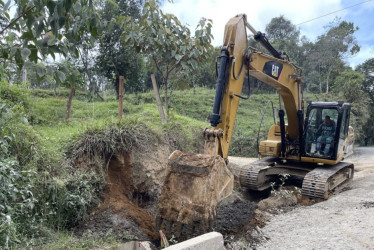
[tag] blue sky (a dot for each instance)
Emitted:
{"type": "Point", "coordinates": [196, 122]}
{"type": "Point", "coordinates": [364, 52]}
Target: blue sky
{"type": "Point", "coordinates": [260, 13]}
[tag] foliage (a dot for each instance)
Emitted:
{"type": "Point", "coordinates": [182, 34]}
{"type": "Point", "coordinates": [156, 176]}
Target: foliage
{"type": "Point", "coordinates": [284, 36]}
{"type": "Point", "coordinates": [327, 54]}
{"type": "Point", "coordinates": [114, 59]}
{"type": "Point", "coordinates": [67, 198]}
{"type": "Point", "coordinates": [167, 43]}
{"type": "Point", "coordinates": [34, 196]}
{"type": "Point", "coordinates": [14, 95]}
{"type": "Point", "coordinates": [17, 197]}
{"type": "Point", "coordinates": [321, 61]}
{"type": "Point", "coordinates": [367, 68]}
{"type": "Point", "coordinates": [348, 86]}
{"type": "Point", "coordinates": [47, 27]}
{"type": "Point", "coordinates": [349, 83]}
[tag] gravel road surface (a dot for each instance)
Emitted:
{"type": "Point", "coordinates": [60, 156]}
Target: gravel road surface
{"type": "Point", "coordinates": [345, 221]}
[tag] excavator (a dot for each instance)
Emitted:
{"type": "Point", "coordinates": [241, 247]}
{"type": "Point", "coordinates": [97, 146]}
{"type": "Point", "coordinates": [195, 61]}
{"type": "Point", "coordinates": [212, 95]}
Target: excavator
{"type": "Point", "coordinates": [311, 146]}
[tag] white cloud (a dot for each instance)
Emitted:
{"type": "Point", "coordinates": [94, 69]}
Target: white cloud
{"type": "Point", "coordinates": [259, 13]}
{"type": "Point", "coordinates": [366, 52]}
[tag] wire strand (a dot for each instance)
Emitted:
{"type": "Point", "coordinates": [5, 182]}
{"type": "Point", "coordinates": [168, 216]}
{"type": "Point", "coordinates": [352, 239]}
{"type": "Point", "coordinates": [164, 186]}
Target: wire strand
{"type": "Point", "coordinates": [333, 12]}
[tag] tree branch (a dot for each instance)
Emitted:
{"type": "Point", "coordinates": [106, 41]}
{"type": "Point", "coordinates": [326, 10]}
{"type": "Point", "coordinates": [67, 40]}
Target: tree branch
{"type": "Point", "coordinates": [16, 19]}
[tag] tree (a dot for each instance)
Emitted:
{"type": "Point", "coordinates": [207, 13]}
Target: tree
{"type": "Point", "coordinates": [284, 36]}
{"type": "Point", "coordinates": [367, 68]}
{"type": "Point", "coordinates": [281, 29]}
{"type": "Point", "coordinates": [48, 28]}
{"type": "Point", "coordinates": [331, 48]}
{"type": "Point", "coordinates": [348, 86]}
{"type": "Point", "coordinates": [73, 80]}
{"type": "Point", "coordinates": [115, 59]}
{"type": "Point", "coordinates": [166, 43]}
{"type": "Point", "coordinates": [205, 74]}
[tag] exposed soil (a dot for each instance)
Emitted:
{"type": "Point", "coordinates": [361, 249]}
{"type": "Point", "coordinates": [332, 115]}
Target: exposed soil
{"type": "Point", "coordinates": [233, 216]}
{"type": "Point", "coordinates": [124, 208]}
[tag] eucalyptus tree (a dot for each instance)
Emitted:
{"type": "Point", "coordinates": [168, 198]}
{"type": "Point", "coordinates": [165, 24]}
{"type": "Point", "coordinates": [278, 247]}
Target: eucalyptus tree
{"type": "Point", "coordinates": [332, 48]}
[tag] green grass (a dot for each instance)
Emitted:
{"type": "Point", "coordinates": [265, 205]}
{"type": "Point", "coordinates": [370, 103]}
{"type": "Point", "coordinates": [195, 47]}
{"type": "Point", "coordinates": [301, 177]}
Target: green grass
{"type": "Point", "coordinates": [64, 240]}
{"type": "Point", "coordinates": [189, 111]}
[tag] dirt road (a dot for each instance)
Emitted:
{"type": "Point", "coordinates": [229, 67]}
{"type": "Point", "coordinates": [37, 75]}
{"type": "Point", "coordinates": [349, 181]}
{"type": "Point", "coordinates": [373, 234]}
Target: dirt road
{"type": "Point", "coordinates": [345, 221]}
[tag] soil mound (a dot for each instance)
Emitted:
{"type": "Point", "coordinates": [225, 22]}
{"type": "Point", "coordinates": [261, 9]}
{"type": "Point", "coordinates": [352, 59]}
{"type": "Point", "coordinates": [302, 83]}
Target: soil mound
{"type": "Point", "coordinates": [234, 216]}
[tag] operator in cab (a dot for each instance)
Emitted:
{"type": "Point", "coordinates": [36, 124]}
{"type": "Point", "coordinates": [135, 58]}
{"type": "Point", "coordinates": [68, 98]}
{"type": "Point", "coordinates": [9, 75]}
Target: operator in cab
{"type": "Point", "coordinates": [326, 131]}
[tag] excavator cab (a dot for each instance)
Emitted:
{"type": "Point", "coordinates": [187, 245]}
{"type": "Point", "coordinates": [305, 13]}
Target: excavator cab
{"type": "Point", "coordinates": [326, 129]}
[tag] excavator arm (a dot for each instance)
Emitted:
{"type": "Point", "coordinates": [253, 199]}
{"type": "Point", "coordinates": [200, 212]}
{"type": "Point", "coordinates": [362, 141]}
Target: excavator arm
{"type": "Point", "coordinates": [272, 70]}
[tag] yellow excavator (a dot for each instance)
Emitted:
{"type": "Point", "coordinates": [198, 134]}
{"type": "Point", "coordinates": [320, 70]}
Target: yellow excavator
{"type": "Point", "coordinates": [310, 146]}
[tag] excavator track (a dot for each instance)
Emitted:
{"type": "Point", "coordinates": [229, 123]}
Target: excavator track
{"type": "Point", "coordinates": [318, 181]}
{"type": "Point", "coordinates": [249, 176]}
{"type": "Point", "coordinates": [322, 181]}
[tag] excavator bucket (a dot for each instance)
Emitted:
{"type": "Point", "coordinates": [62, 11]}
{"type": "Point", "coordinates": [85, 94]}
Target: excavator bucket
{"type": "Point", "coordinates": [194, 184]}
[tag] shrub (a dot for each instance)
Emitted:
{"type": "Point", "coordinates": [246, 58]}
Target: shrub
{"type": "Point", "coordinates": [34, 198]}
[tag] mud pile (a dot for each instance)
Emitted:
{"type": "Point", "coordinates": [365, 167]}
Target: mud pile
{"type": "Point", "coordinates": [234, 216]}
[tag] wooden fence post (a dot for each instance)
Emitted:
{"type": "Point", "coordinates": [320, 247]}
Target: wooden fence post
{"type": "Point", "coordinates": [158, 99]}
{"type": "Point", "coordinates": [120, 97]}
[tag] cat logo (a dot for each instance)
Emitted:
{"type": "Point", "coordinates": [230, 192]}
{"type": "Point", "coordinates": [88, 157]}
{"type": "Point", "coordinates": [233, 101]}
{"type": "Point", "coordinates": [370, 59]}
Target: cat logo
{"type": "Point", "coordinates": [273, 69]}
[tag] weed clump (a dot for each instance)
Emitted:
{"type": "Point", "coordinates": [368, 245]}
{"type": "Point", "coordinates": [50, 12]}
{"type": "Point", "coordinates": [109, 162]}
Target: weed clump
{"type": "Point", "coordinates": [107, 140]}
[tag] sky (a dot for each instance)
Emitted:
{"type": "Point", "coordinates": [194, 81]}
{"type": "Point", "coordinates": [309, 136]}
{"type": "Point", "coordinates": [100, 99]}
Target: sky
{"type": "Point", "coordinates": [260, 12]}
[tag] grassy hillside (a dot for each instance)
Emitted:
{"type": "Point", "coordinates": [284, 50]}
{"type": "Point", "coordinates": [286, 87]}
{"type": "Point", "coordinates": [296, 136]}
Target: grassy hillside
{"type": "Point", "coordinates": [188, 109]}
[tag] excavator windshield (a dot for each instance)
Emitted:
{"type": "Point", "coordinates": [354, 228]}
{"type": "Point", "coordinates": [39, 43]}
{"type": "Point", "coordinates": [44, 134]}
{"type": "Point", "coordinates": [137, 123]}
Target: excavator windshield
{"type": "Point", "coordinates": [320, 132]}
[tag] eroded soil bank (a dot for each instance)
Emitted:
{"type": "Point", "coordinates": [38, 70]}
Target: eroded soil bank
{"type": "Point", "coordinates": [129, 200]}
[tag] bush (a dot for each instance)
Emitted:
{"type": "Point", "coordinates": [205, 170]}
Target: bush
{"type": "Point", "coordinates": [14, 95]}
{"type": "Point", "coordinates": [34, 197]}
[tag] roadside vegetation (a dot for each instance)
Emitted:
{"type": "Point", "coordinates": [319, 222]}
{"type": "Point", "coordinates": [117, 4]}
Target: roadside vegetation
{"type": "Point", "coordinates": [53, 112]}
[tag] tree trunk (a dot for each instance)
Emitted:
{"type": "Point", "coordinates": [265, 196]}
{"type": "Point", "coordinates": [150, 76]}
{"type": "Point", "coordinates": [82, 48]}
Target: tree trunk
{"type": "Point", "coordinates": [116, 86]}
{"type": "Point", "coordinates": [158, 99]}
{"type": "Point", "coordinates": [320, 81]}
{"type": "Point", "coordinates": [120, 98]}
{"type": "Point", "coordinates": [166, 100]}
{"type": "Point", "coordinates": [68, 106]}
{"type": "Point", "coordinates": [327, 81]}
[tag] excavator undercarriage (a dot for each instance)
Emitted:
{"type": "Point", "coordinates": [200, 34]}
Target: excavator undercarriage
{"type": "Point", "coordinates": [318, 181]}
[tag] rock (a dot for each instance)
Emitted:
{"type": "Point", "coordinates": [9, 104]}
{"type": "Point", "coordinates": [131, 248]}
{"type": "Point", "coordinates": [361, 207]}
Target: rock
{"type": "Point", "coordinates": [278, 202]}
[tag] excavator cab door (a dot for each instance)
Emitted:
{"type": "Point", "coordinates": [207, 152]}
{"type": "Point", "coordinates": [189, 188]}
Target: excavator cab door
{"type": "Point", "coordinates": [326, 128]}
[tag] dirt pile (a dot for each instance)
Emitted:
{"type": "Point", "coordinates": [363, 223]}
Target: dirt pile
{"type": "Point", "coordinates": [234, 215]}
